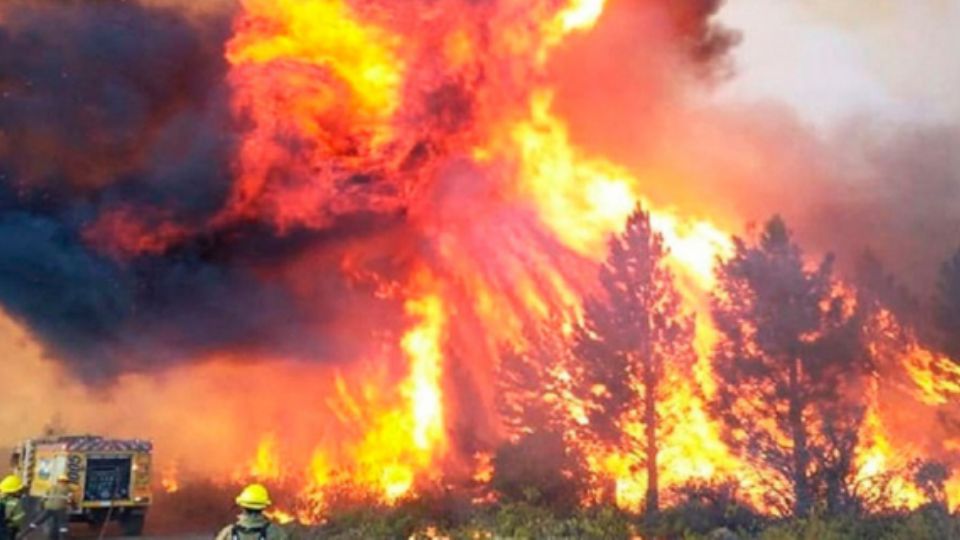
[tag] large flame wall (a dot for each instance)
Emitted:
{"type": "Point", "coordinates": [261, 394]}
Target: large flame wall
{"type": "Point", "coordinates": [406, 187]}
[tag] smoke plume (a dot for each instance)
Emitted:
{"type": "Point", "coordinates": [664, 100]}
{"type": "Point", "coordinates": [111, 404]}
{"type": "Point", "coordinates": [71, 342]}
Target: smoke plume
{"type": "Point", "coordinates": [118, 152]}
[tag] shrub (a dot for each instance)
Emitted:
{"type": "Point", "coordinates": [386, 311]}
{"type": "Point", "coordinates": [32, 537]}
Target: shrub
{"type": "Point", "coordinates": [539, 470]}
{"type": "Point", "coordinates": [522, 520]}
{"type": "Point", "coordinates": [706, 507]}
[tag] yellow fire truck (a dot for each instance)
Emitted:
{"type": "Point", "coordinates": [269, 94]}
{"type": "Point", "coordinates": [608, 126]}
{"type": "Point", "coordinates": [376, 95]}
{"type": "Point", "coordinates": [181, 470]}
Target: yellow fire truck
{"type": "Point", "coordinates": [110, 478]}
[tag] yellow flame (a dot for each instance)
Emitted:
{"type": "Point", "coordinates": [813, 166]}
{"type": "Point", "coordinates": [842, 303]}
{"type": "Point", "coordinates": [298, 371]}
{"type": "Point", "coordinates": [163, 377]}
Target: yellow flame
{"type": "Point", "coordinates": [484, 467]}
{"type": "Point", "coordinates": [169, 479]}
{"type": "Point", "coordinates": [876, 456]}
{"type": "Point", "coordinates": [937, 377]}
{"type": "Point", "coordinates": [401, 441]}
{"type": "Point", "coordinates": [422, 345]}
{"type": "Point", "coordinates": [580, 14]}
{"type": "Point", "coordinates": [577, 16]}
{"type": "Point", "coordinates": [266, 462]}
{"type": "Point", "coordinates": [327, 34]}
{"type": "Point", "coordinates": [280, 516]}
{"type": "Point", "coordinates": [695, 245]}
{"type": "Point", "coordinates": [581, 200]}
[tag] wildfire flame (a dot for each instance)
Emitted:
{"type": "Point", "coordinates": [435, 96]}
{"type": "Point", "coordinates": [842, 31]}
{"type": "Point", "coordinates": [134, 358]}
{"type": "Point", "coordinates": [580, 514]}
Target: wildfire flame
{"type": "Point", "coordinates": [449, 125]}
{"type": "Point", "coordinates": [339, 77]}
{"type": "Point", "coordinates": [266, 465]}
{"type": "Point", "coordinates": [168, 479]}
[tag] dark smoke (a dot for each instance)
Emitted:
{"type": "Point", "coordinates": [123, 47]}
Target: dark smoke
{"type": "Point", "coordinates": [114, 122]}
{"type": "Point", "coordinates": [110, 106]}
{"type": "Point", "coordinates": [120, 109]}
{"type": "Point", "coordinates": [900, 197]}
{"type": "Point", "coordinates": [704, 41]}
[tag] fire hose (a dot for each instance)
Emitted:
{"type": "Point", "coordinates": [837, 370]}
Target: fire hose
{"type": "Point", "coordinates": [45, 516]}
{"type": "Point", "coordinates": [106, 520]}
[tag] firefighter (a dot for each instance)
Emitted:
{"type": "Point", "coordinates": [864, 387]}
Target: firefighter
{"type": "Point", "coordinates": [55, 507]}
{"type": "Point", "coordinates": [11, 503]}
{"type": "Point", "coordinates": [252, 524]}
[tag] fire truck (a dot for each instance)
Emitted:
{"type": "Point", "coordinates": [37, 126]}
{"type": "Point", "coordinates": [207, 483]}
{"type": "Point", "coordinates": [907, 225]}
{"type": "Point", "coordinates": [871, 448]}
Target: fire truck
{"type": "Point", "coordinates": [110, 478]}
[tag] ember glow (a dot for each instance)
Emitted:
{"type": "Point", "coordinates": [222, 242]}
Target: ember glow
{"type": "Point", "coordinates": [431, 201]}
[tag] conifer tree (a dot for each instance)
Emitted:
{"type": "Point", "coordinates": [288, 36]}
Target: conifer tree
{"type": "Point", "coordinates": [630, 334]}
{"type": "Point", "coordinates": [790, 365]}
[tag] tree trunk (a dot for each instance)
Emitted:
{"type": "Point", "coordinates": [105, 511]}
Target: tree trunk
{"type": "Point", "coordinates": [835, 499]}
{"type": "Point", "coordinates": [650, 383]}
{"type": "Point", "coordinates": [801, 485]}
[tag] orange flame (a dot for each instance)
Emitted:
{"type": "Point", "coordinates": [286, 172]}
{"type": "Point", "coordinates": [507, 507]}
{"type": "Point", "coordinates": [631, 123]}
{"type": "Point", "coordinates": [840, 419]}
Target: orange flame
{"type": "Point", "coordinates": [344, 82]}
{"type": "Point", "coordinates": [169, 479]}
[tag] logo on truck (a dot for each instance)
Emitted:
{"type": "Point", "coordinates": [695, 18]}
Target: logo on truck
{"type": "Point", "coordinates": [74, 467]}
{"type": "Point", "coordinates": [43, 468]}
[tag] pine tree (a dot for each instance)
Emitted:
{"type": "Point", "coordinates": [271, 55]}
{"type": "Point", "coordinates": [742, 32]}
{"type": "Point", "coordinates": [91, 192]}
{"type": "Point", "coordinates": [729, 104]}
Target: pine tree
{"type": "Point", "coordinates": [629, 335]}
{"type": "Point", "coordinates": [947, 312]}
{"type": "Point", "coordinates": [789, 363]}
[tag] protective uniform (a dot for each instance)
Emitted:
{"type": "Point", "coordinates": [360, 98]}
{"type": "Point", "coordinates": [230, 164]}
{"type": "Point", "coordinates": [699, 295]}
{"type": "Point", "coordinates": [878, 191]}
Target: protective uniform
{"type": "Point", "coordinates": [252, 524]}
{"type": "Point", "coordinates": [55, 506]}
{"type": "Point", "coordinates": [14, 514]}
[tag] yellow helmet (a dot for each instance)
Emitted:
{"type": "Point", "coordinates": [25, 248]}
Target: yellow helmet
{"type": "Point", "coordinates": [62, 477]}
{"type": "Point", "coordinates": [11, 484]}
{"type": "Point", "coordinates": [254, 497]}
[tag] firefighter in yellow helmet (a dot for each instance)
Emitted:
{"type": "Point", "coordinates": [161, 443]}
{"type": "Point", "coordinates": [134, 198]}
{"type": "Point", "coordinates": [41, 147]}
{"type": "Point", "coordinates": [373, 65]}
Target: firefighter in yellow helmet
{"type": "Point", "coordinates": [56, 504]}
{"type": "Point", "coordinates": [11, 504]}
{"type": "Point", "coordinates": [252, 524]}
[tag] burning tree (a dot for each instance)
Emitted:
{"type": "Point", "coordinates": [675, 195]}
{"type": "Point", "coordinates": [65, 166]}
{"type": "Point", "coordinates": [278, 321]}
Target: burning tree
{"type": "Point", "coordinates": [789, 365]}
{"type": "Point", "coordinates": [948, 305]}
{"type": "Point", "coordinates": [537, 381]}
{"type": "Point", "coordinates": [539, 464]}
{"type": "Point", "coordinates": [628, 337]}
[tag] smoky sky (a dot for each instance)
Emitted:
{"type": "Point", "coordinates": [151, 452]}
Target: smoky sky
{"type": "Point", "coordinates": [106, 104]}
{"type": "Point", "coordinates": [121, 108]}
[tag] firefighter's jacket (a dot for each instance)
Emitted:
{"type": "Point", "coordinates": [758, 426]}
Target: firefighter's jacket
{"type": "Point", "coordinates": [14, 511]}
{"type": "Point", "coordinates": [59, 498]}
{"type": "Point", "coordinates": [253, 526]}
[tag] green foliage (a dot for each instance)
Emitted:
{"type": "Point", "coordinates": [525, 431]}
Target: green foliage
{"type": "Point", "coordinates": [703, 509]}
{"type": "Point", "coordinates": [364, 522]}
{"type": "Point", "coordinates": [522, 520]}
{"type": "Point", "coordinates": [518, 520]}
{"type": "Point", "coordinates": [364, 518]}
{"type": "Point", "coordinates": [698, 518]}
{"type": "Point", "coordinates": [815, 528]}
{"type": "Point", "coordinates": [929, 523]}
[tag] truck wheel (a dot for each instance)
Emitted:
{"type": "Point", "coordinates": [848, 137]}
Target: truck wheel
{"type": "Point", "coordinates": [132, 523]}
